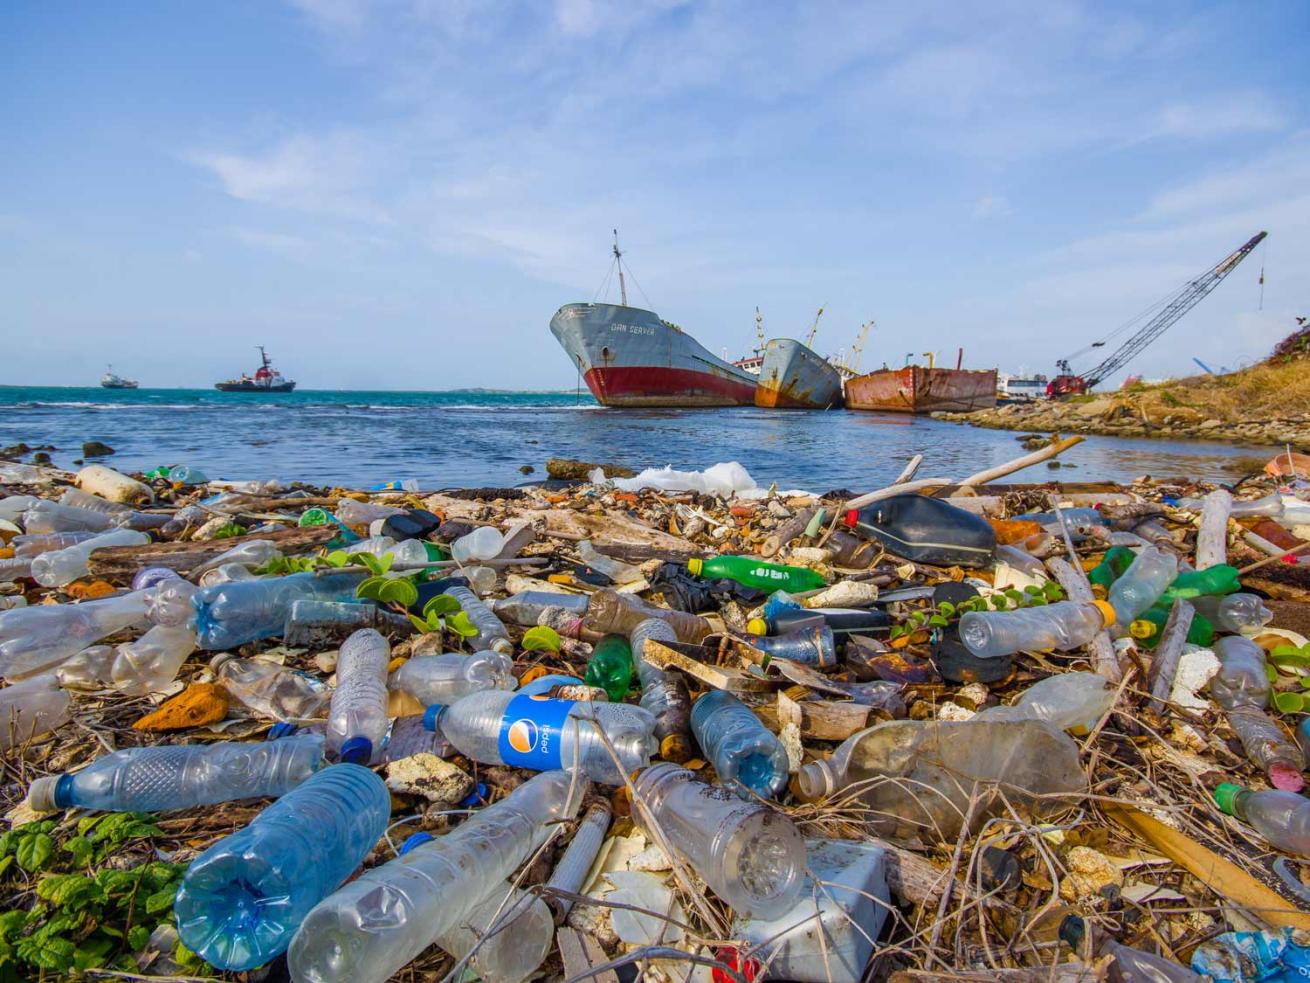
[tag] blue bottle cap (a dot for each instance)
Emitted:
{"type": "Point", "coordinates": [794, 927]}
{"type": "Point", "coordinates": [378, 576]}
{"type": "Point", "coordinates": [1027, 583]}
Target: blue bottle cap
{"type": "Point", "coordinates": [281, 729]}
{"type": "Point", "coordinates": [431, 715]}
{"type": "Point", "coordinates": [417, 839]}
{"type": "Point", "coordinates": [479, 794]}
{"type": "Point", "coordinates": [356, 751]}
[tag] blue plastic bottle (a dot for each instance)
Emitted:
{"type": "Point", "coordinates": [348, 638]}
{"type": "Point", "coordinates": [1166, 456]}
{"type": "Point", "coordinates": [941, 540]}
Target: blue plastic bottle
{"type": "Point", "coordinates": [241, 611]}
{"type": "Point", "coordinates": [243, 899]}
{"type": "Point", "coordinates": [179, 776]}
{"type": "Point", "coordinates": [745, 753]}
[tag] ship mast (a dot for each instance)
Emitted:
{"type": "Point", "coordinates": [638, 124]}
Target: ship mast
{"type": "Point", "coordinates": [618, 259]}
{"type": "Point", "coordinates": [759, 330]}
{"type": "Point", "coordinates": [814, 329]}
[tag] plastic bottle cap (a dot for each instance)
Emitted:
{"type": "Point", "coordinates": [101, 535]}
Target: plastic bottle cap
{"type": "Point", "coordinates": [1107, 611]}
{"type": "Point", "coordinates": [1225, 796]}
{"type": "Point", "coordinates": [41, 796]}
{"type": "Point", "coordinates": [282, 729]}
{"type": "Point", "coordinates": [674, 747]}
{"type": "Point", "coordinates": [417, 839]}
{"type": "Point", "coordinates": [431, 715]}
{"type": "Point", "coordinates": [695, 565]}
{"type": "Point", "coordinates": [1072, 930]}
{"type": "Point", "coordinates": [1142, 628]}
{"type": "Point", "coordinates": [357, 751]}
{"type": "Point", "coordinates": [852, 518]}
{"type": "Point", "coordinates": [757, 626]}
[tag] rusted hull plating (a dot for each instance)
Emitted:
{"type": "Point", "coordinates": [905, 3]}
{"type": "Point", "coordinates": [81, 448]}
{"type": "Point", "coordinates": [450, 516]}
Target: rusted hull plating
{"type": "Point", "coordinates": [794, 377]}
{"type": "Point", "coordinates": [916, 389]}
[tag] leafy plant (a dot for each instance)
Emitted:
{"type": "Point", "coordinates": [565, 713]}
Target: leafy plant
{"type": "Point", "coordinates": [443, 613]}
{"type": "Point", "coordinates": [945, 613]}
{"type": "Point", "coordinates": [229, 530]}
{"type": "Point", "coordinates": [541, 639]}
{"type": "Point", "coordinates": [283, 565]}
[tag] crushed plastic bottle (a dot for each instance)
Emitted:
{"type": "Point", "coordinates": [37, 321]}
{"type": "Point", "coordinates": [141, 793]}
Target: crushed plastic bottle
{"type": "Point", "coordinates": [357, 715]}
{"type": "Point", "coordinates": [40, 543]}
{"type": "Point", "coordinates": [93, 503]}
{"type": "Point", "coordinates": [1149, 628]}
{"type": "Point", "coordinates": [1117, 559]}
{"type": "Point", "coordinates": [1241, 680]}
{"type": "Point", "coordinates": [483, 543]}
{"type": "Point", "coordinates": [46, 516]}
{"type": "Point", "coordinates": [384, 918]}
{"type": "Point", "coordinates": [178, 776]}
{"type": "Point", "coordinates": [610, 667]}
{"type": "Point", "coordinates": [491, 630]}
{"type": "Point", "coordinates": [446, 678]}
{"type": "Point", "coordinates": [751, 572]}
{"type": "Point", "coordinates": [152, 661]}
{"type": "Point", "coordinates": [31, 708]}
{"type": "Point", "coordinates": [270, 690]}
{"type": "Point", "coordinates": [355, 513]}
{"type": "Point", "coordinates": [90, 669]}
{"type": "Point", "coordinates": [1072, 701]}
{"type": "Point", "coordinates": [525, 608]}
{"type": "Point", "coordinates": [750, 855]}
{"type": "Point", "coordinates": [663, 694]}
{"type": "Point", "coordinates": [16, 568]}
{"type": "Point", "coordinates": [609, 612]}
{"type": "Point", "coordinates": [324, 624]}
{"type": "Point", "coordinates": [1237, 613]}
{"type": "Point", "coordinates": [505, 938]}
{"type": "Point", "coordinates": [745, 753]}
{"type": "Point", "coordinates": [244, 611]}
{"type": "Point", "coordinates": [524, 731]}
{"type": "Point", "coordinates": [813, 646]}
{"type": "Point", "coordinates": [1127, 965]}
{"type": "Point", "coordinates": [170, 603]}
{"type": "Point", "coordinates": [1141, 585]}
{"type": "Point", "coordinates": [1241, 687]}
{"type": "Point", "coordinates": [244, 897]}
{"type": "Point", "coordinates": [60, 567]}
{"type": "Point", "coordinates": [43, 635]}
{"type": "Point", "coordinates": [252, 553]}
{"type": "Point", "coordinates": [1062, 626]}
{"type": "Point", "coordinates": [617, 571]}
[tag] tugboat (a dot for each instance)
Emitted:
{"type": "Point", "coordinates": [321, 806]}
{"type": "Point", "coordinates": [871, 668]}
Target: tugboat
{"type": "Point", "coordinates": [111, 381]}
{"type": "Point", "coordinates": [265, 380]}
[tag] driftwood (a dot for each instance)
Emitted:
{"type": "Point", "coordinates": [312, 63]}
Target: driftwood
{"type": "Point", "coordinates": [123, 562]}
{"type": "Point", "coordinates": [822, 720]}
{"type": "Point", "coordinates": [1164, 665]}
{"type": "Point", "coordinates": [1212, 537]}
{"type": "Point", "coordinates": [718, 677]}
{"type": "Point", "coordinates": [1019, 463]}
{"type": "Point", "coordinates": [581, 954]}
{"type": "Point", "coordinates": [788, 531]}
{"type": "Point", "coordinates": [1076, 587]}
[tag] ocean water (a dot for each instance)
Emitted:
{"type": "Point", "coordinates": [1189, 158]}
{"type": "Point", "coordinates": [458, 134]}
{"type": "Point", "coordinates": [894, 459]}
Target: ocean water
{"type": "Point", "coordinates": [475, 438]}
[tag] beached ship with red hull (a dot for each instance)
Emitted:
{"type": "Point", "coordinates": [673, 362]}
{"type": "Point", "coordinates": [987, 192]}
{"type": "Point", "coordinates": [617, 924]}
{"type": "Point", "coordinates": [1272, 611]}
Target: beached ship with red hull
{"type": "Point", "coordinates": [920, 389]}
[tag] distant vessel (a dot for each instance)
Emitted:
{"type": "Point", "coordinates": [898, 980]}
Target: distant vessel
{"type": "Point", "coordinates": [923, 389]}
{"type": "Point", "coordinates": [632, 357]}
{"type": "Point", "coordinates": [1020, 387]}
{"type": "Point", "coordinates": [794, 377]}
{"type": "Point", "coordinates": [265, 380]}
{"type": "Point", "coordinates": [112, 381]}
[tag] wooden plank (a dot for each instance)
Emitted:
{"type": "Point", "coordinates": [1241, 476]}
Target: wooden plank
{"type": "Point", "coordinates": [580, 953]}
{"type": "Point", "coordinates": [122, 562]}
{"type": "Point", "coordinates": [822, 720]}
{"type": "Point", "coordinates": [717, 677]}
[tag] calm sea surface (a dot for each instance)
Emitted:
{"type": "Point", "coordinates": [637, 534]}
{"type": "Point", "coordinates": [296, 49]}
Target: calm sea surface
{"type": "Point", "coordinates": [448, 439]}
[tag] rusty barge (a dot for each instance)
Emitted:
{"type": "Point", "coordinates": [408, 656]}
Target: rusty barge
{"type": "Point", "coordinates": [922, 389]}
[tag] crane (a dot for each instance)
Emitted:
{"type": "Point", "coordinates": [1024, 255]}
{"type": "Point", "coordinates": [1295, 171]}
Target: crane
{"type": "Point", "coordinates": [1169, 311]}
{"type": "Point", "coordinates": [814, 329]}
{"type": "Point", "coordinates": [849, 367]}
{"type": "Point", "coordinates": [759, 330]}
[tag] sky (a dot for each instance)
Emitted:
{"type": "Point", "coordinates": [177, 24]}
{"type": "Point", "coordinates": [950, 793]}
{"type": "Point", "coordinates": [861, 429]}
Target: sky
{"type": "Point", "coordinates": [398, 194]}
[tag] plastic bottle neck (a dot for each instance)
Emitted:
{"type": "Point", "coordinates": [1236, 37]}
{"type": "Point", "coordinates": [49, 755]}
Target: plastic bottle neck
{"type": "Point", "coordinates": [817, 780]}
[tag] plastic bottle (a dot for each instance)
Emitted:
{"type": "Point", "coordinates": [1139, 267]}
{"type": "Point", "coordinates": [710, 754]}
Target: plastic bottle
{"type": "Point", "coordinates": [1128, 965]}
{"type": "Point", "coordinates": [506, 937]}
{"type": "Point", "coordinates": [90, 669]}
{"type": "Point", "coordinates": [1219, 579]}
{"type": "Point", "coordinates": [663, 694]}
{"type": "Point", "coordinates": [499, 728]}
{"type": "Point", "coordinates": [389, 914]}
{"type": "Point", "coordinates": [171, 603]}
{"type": "Point", "coordinates": [355, 513]}
{"type": "Point", "coordinates": [178, 776]}
{"type": "Point", "coordinates": [285, 695]}
{"type": "Point", "coordinates": [12, 507]}
{"type": "Point", "coordinates": [1271, 506]}
{"type": "Point", "coordinates": [16, 568]}
{"type": "Point", "coordinates": [610, 667]}
{"type": "Point", "coordinates": [37, 637]}
{"type": "Point", "coordinates": [483, 543]}
{"type": "Point", "coordinates": [186, 474]}
{"type": "Point", "coordinates": [916, 776]}
{"type": "Point", "coordinates": [10, 601]}
{"type": "Point", "coordinates": [1071, 701]}
{"type": "Point", "coordinates": [225, 574]}
{"type": "Point", "coordinates": [1282, 818]}
{"type": "Point", "coordinates": [491, 630]}
{"type": "Point", "coordinates": [183, 519]}
{"type": "Point", "coordinates": [616, 570]}
{"type": "Point", "coordinates": [46, 516]}
{"type": "Point", "coordinates": [93, 503]}
{"type": "Point", "coordinates": [570, 873]}
{"type": "Point", "coordinates": [64, 566]}
{"type": "Point", "coordinates": [1061, 626]}
{"type": "Point", "coordinates": [814, 646]}
{"type": "Point", "coordinates": [1117, 559]}
{"type": "Point", "coordinates": [1141, 585]}
{"type": "Point", "coordinates": [31, 708]}
{"type": "Point", "coordinates": [325, 624]}
{"type": "Point", "coordinates": [843, 622]}
{"type": "Point", "coordinates": [243, 898]}
{"type": "Point", "coordinates": [446, 678]}
{"type": "Point", "coordinates": [244, 611]}
{"type": "Point", "coordinates": [40, 543]}
{"type": "Point", "coordinates": [525, 607]}
{"type": "Point", "coordinates": [357, 715]}
{"type": "Point", "coordinates": [1148, 629]}
{"type": "Point", "coordinates": [751, 856]}
{"type": "Point", "coordinates": [152, 661]}
{"type": "Point", "coordinates": [1268, 747]}
{"type": "Point", "coordinates": [745, 753]}
{"type": "Point", "coordinates": [611, 612]}
{"type": "Point", "coordinates": [252, 553]}
{"type": "Point", "coordinates": [1241, 680]}
{"type": "Point", "coordinates": [411, 553]}
{"type": "Point", "coordinates": [1237, 613]}
{"type": "Point", "coordinates": [753, 572]}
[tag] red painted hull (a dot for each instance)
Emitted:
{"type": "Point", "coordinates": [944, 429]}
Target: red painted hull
{"type": "Point", "coordinates": [650, 385]}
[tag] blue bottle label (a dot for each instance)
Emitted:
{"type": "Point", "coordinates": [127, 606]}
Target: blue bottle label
{"type": "Point", "coordinates": [530, 731]}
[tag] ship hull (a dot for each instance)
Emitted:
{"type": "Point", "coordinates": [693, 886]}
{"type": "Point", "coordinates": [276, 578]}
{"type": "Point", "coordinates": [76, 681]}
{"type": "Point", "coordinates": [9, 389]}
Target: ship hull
{"type": "Point", "coordinates": [915, 389]}
{"type": "Point", "coordinates": [119, 385]}
{"type": "Point", "coordinates": [629, 357]}
{"type": "Point", "coordinates": [794, 377]}
{"type": "Point", "coordinates": [251, 387]}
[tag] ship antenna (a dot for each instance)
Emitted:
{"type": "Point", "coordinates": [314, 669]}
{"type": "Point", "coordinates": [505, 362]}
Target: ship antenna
{"type": "Point", "coordinates": [618, 259]}
{"type": "Point", "coordinates": [759, 330]}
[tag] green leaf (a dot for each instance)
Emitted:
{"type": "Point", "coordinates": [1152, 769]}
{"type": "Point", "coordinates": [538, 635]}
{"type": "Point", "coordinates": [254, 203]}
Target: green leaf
{"type": "Point", "coordinates": [138, 936]}
{"type": "Point", "coordinates": [937, 621]}
{"type": "Point", "coordinates": [50, 953]}
{"type": "Point", "coordinates": [70, 891]}
{"type": "Point", "coordinates": [91, 953]}
{"type": "Point", "coordinates": [442, 604]}
{"type": "Point", "coordinates": [946, 609]}
{"type": "Point", "coordinates": [160, 901]}
{"type": "Point", "coordinates": [88, 823]}
{"type": "Point", "coordinates": [385, 561]}
{"type": "Point", "coordinates": [398, 592]}
{"type": "Point", "coordinates": [34, 851]}
{"type": "Point", "coordinates": [11, 923]}
{"type": "Point", "coordinates": [369, 588]}
{"type": "Point", "coordinates": [81, 849]}
{"type": "Point", "coordinates": [460, 625]}
{"type": "Point", "coordinates": [420, 624]}
{"type": "Point", "coordinates": [186, 958]}
{"type": "Point", "coordinates": [541, 639]}
{"type": "Point", "coordinates": [1289, 702]}
{"type": "Point", "coordinates": [6, 863]}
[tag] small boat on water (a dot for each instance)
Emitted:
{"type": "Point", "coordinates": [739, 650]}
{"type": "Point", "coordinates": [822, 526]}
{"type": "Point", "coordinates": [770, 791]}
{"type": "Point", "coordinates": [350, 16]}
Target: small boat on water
{"type": "Point", "coordinates": [923, 389]}
{"type": "Point", "coordinates": [265, 380]}
{"type": "Point", "coordinates": [111, 380]}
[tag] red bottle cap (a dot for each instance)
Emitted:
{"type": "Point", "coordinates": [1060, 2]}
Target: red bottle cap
{"type": "Point", "coordinates": [853, 518]}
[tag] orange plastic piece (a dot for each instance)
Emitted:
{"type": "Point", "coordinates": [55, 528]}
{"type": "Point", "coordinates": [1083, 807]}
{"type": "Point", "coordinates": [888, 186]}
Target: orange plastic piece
{"type": "Point", "coordinates": [195, 706]}
{"type": "Point", "coordinates": [1011, 531]}
{"type": "Point", "coordinates": [89, 591]}
{"type": "Point", "coordinates": [1281, 466]}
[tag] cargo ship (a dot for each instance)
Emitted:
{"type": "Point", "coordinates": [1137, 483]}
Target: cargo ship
{"type": "Point", "coordinates": [922, 389]}
{"type": "Point", "coordinates": [792, 376]}
{"type": "Point", "coordinates": [112, 380]}
{"type": "Point", "coordinates": [265, 380]}
{"type": "Point", "coordinates": [632, 357]}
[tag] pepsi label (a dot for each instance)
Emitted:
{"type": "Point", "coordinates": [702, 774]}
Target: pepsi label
{"type": "Point", "coordinates": [530, 731]}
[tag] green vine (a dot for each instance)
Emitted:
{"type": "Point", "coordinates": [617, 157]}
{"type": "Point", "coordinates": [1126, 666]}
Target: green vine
{"type": "Point", "coordinates": [944, 613]}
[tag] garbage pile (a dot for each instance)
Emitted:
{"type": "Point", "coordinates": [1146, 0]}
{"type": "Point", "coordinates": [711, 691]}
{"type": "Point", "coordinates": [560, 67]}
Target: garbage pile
{"type": "Point", "coordinates": [676, 727]}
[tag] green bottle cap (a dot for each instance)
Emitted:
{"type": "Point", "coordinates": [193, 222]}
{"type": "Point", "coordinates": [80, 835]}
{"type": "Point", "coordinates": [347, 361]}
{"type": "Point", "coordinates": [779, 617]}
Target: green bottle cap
{"type": "Point", "coordinates": [695, 565]}
{"type": "Point", "coordinates": [1225, 797]}
{"type": "Point", "coordinates": [315, 517]}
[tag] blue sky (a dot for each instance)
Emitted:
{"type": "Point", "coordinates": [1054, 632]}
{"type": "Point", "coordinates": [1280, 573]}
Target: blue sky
{"type": "Point", "coordinates": [400, 194]}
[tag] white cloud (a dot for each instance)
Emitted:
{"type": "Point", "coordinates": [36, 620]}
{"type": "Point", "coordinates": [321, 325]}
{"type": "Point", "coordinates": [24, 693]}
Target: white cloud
{"type": "Point", "coordinates": [991, 206]}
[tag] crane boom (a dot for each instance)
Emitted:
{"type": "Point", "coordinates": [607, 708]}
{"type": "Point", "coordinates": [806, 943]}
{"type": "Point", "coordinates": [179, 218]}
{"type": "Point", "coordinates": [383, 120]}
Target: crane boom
{"type": "Point", "coordinates": [814, 329]}
{"type": "Point", "coordinates": [1179, 304]}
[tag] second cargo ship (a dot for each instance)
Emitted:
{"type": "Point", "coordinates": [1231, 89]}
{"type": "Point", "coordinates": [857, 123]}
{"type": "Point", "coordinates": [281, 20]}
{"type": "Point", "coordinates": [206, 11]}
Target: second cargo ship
{"type": "Point", "coordinates": [792, 376]}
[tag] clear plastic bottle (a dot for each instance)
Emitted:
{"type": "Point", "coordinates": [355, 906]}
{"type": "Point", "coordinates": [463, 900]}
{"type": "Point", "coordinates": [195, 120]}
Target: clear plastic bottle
{"type": "Point", "coordinates": [93, 503]}
{"type": "Point", "coordinates": [31, 708]}
{"type": "Point", "coordinates": [46, 542]}
{"type": "Point", "coordinates": [411, 553]}
{"type": "Point", "coordinates": [750, 855]}
{"type": "Point", "coordinates": [389, 914]}
{"type": "Point", "coordinates": [355, 513]}
{"type": "Point", "coordinates": [1237, 613]}
{"type": "Point", "coordinates": [171, 602]}
{"type": "Point", "coordinates": [187, 474]}
{"type": "Point", "coordinates": [285, 695]}
{"type": "Point", "coordinates": [244, 611]}
{"type": "Point", "coordinates": [373, 545]}
{"type": "Point", "coordinates": [184, 518]}
{"type": "Point", "coordinates": [1281, 817]}
{"type": "Point", "coordinates": [1271, 506]}
{"type": "Point", "coordinates": [10, 601]}
{"type": "Point", "coordinates": [179, 776]}
{"type": "Point", "coordinates": [1129, 965]}
{"type": "Point", "coordinates": [1062, 626]}
{"type": "Point", "coordinates": [152, 661]}
{"type": "Point", "coordinates": [609, 612]}
{"type": "Point", "coordinates": [499, 728]}
{"type": "Point", "coordinates": [483, 543]}
{"type": "Point", "coordinates": [16, 568]}
{"type": "Point", "coordinates": [1268, 747]}
{"type": "Point", "coordinates": [509, 933]}
{"type": "Point", "coordinates": [916, 776]}
{"type": "Point", "coordinates": [243, 898]}
{"type": "Point", "coordinates": [446, 678]}
{"type": "Point", "coordinates": [664, 694]}
{"type": "Point", "coordinates": [570, 873]}
{"type": "Point", "coordinates": [46, 516]}
{"type": "Point", "coordinates": [525, 607]}
{"type": "Point", "coordinates": [252, 553]}
{"type": "Point", "coordinates": [12, 507]}
{"type": "Point", "coordinates": [357, 715]}
{"type": "Point", "coordinates": [1241, 680]}
{"type": "Point", "coordinates": [491, 630]}
{"type": "Point", "coordinates": [225, 574]}
{"type": "Point", "coordinates": [616, 570]}
{"type": "Point", "coordinates": [1142, 584]}
{"type": "Point", "coordinates": [90, 669]}
{"type": "Point", "coordinates": [38, 637]}
{"type": "Point", "coordinates": [745, 753]}
{"type": "Point", "coordinates": [1071, 701]}
{"type": "Point", "coordinates": [62, 567]}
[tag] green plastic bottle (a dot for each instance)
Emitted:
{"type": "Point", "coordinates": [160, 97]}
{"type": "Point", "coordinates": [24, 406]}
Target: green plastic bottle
{"type": "Point", "coordinates": [1149, 625]}
{"type": "Point", "coordinates": [1219, 579]}
{"type": "Point", "coordinates": [610, 667]}
{"type": "Point", "coordinates": [753, 572]}
{"type": "Point", "coordinates": [1117, 559]}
